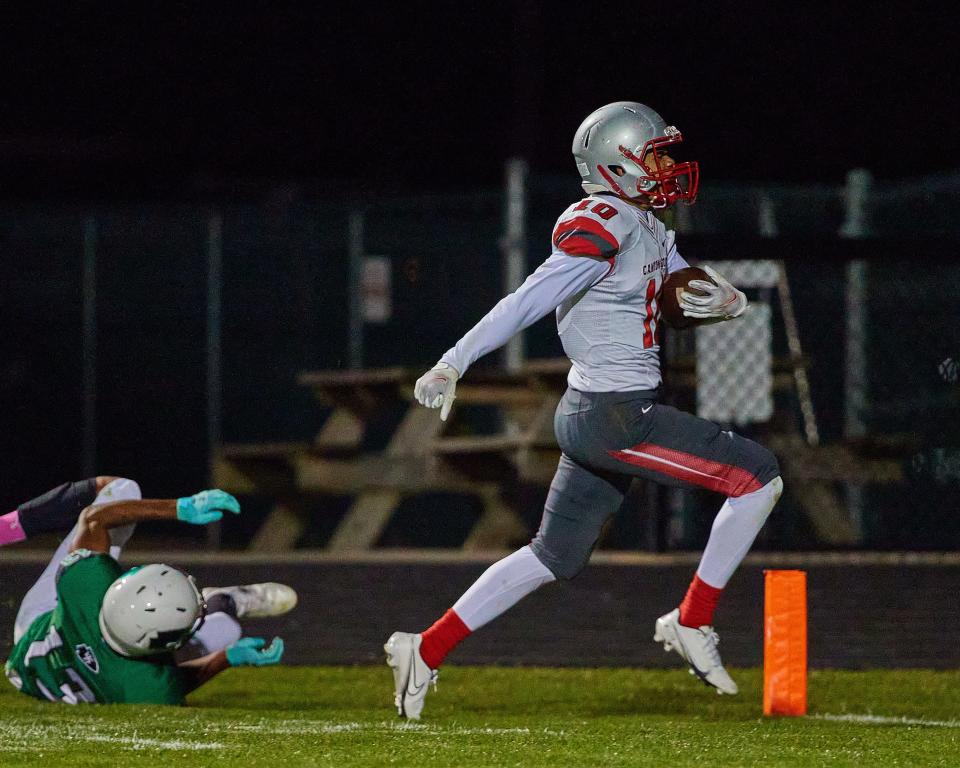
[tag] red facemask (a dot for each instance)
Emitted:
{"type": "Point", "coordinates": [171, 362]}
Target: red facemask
{"type": "Point", "coordinates": [668, 184]}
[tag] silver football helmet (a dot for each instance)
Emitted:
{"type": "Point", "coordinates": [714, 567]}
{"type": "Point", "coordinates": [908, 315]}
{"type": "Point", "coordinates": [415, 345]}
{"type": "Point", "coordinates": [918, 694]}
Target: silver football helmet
{"type": "Point", "coordinates": [611, 144]}
{"type": "Point", "coordinates": [152, 609]}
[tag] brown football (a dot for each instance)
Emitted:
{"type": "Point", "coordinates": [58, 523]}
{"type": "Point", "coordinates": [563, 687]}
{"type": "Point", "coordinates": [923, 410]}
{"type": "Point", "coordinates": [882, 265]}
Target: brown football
{"type": "Point", "coordinates": [669, 297]}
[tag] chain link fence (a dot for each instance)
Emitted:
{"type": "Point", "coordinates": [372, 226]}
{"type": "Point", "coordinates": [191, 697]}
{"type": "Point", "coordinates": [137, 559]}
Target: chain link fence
{"type": "Point", "coordinates": [873, 336]}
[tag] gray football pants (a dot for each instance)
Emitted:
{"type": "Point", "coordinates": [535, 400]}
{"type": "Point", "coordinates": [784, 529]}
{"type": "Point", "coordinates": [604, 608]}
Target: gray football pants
{"type": "Point", "coordinates": [607, 439]}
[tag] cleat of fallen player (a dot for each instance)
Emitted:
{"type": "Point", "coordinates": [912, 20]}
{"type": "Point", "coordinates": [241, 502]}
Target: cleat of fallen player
{"type": "Point", "coordinates": [411, 675]}
{"type": "Point", "coordinates": [257, 601]}
{"type": "Point", "coordinates": [609, 259]}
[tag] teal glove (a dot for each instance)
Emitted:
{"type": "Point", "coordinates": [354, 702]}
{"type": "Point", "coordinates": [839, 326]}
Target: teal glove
{"type": "Point", "coordinates": [206, 507]}
{"type": "Point", "coordinates": [250, 652]}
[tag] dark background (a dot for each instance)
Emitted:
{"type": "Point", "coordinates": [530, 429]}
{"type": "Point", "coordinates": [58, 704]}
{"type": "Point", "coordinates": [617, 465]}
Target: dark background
{"type": "Point", "coordinates": [149, 118]}
{"type": "Point", "coordinates": [175, 99]}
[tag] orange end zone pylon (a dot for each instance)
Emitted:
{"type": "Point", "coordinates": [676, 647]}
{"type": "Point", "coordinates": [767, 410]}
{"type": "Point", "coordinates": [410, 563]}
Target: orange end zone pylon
{"type": "Point", "coordinates": [785, 643]}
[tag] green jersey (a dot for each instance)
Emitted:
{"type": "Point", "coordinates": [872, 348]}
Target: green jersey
{"type": "Point", "coordinates": [63, 657]}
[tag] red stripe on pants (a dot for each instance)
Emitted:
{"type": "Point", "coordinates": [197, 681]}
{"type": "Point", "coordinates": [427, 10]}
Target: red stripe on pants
{"type": "Point", "coordinates": [690, 468]}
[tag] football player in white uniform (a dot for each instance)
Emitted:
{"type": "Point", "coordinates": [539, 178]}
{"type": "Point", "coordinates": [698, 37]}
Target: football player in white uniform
{"type": "Point", "coordinates": [610, 257]}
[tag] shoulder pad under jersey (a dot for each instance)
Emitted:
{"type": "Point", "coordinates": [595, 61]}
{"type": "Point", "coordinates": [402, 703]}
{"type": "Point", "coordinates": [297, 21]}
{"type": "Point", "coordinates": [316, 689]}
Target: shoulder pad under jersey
{"type": "Point", "coordinates": [597, 226]}
{"type": "Point", "coordinates": [73, 558]}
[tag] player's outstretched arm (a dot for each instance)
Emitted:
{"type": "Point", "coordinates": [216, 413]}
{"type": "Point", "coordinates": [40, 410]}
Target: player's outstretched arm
{"type": "Point", "coordinates": [96, 520]}
{"type": "Point", "coordinates": [557, 279]}
{"type": "Point", "coordinates": [246, 652]}
{"type": "Point", "coordinates": [199, 671]}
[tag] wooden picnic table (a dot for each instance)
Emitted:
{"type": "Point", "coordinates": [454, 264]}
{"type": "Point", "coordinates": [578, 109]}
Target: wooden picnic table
{"type": "Point", "coordinates": [420, 456]}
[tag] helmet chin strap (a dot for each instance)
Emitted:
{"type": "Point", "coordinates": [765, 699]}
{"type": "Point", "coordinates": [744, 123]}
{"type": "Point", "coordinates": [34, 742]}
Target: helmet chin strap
{"type": "Point", "coordinates": [643, 200]}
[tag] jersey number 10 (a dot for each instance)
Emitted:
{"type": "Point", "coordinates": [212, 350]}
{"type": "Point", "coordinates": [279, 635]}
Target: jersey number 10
{"type": "Point", "coordinates": [604, 211]}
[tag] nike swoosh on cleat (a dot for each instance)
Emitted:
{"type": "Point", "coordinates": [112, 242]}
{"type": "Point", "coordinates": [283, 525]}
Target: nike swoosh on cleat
{"type": "Point", "coordinates": [415, 691]}
{"type": "Point", "coordinates": [412, 688]}
{"type": "Point", "coordinates": [693, 669]}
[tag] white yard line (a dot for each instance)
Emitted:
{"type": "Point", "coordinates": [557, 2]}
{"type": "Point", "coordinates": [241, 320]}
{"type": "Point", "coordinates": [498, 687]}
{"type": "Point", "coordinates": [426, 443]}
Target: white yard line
{"type": "Point", "coordinates": [29, 738]}
{"type": "Point", "coordinates": [886, 720]}
{"type": "Point", "coordinates": [21, 737]}
{"type": "Point", "coordinates": [138, 743]}
{"type": "Point", "coordinates": [322, 727]}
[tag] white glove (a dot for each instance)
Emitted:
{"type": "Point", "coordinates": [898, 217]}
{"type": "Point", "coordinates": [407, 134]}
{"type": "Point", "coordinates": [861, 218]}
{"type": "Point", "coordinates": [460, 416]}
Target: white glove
{"type": "Point", "coordinates": [437, 387]}
{"type": "Point", "coordinates": [721, 301]}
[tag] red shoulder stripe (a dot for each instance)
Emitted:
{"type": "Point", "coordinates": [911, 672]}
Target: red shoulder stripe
{"type": "Point", "coordinates": [582, 236]}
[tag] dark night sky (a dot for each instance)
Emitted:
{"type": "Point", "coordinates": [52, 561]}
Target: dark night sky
{"type": "Point", "coordinates": [161, 99]}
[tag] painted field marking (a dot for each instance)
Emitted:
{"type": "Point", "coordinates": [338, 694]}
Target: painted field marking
{"type": "Point", "coordinates": [27, 738]}
{"type": "Point", "coordinates": [138, 743]}
{"type": "Point", "coordinates": [886, 720]}
{"type": "Point", "coordinates": [322, 727]}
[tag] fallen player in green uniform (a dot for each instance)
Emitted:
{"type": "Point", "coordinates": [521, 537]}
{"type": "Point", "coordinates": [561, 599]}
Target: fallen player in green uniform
{"type": "Point", "coordinates": [90, 631]}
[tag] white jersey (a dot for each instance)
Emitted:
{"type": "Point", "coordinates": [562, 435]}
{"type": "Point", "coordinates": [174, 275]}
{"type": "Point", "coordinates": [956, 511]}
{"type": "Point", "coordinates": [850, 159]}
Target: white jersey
{"type": "Point", "coordinates": [608, 262]}
{"type": "Point", "coordinates": [611, 331]}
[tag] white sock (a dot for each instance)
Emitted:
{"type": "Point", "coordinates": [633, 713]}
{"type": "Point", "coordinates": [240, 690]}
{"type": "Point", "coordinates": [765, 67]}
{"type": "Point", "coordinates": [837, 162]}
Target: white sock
{"type": "Point", "coordinates": [218, 631]}
{"type": "Point", "coordinates": [500, 587]}
{"type": "Point", "coordinates": [736, 526]}
{"type": "Point", "coordinates": [121, 489]}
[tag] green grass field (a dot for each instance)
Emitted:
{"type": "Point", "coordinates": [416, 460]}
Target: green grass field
{"type": "Point", "coordinates": [319, 716]}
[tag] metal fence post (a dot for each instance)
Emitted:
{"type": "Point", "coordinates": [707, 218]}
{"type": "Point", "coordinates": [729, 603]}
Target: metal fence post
{"type": "Point", "coordinates": [355, 251]}
{"type": "Point", "coordinates": [89, 345]}
{"type": "Point", "coordinates": [767, 216]}
{"type": "Point", "coordinates": [214, 354]}
{"type": "Point", "coordinates": [855, 225]}
{"type": "Point", "coordinates": [514, 246]}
